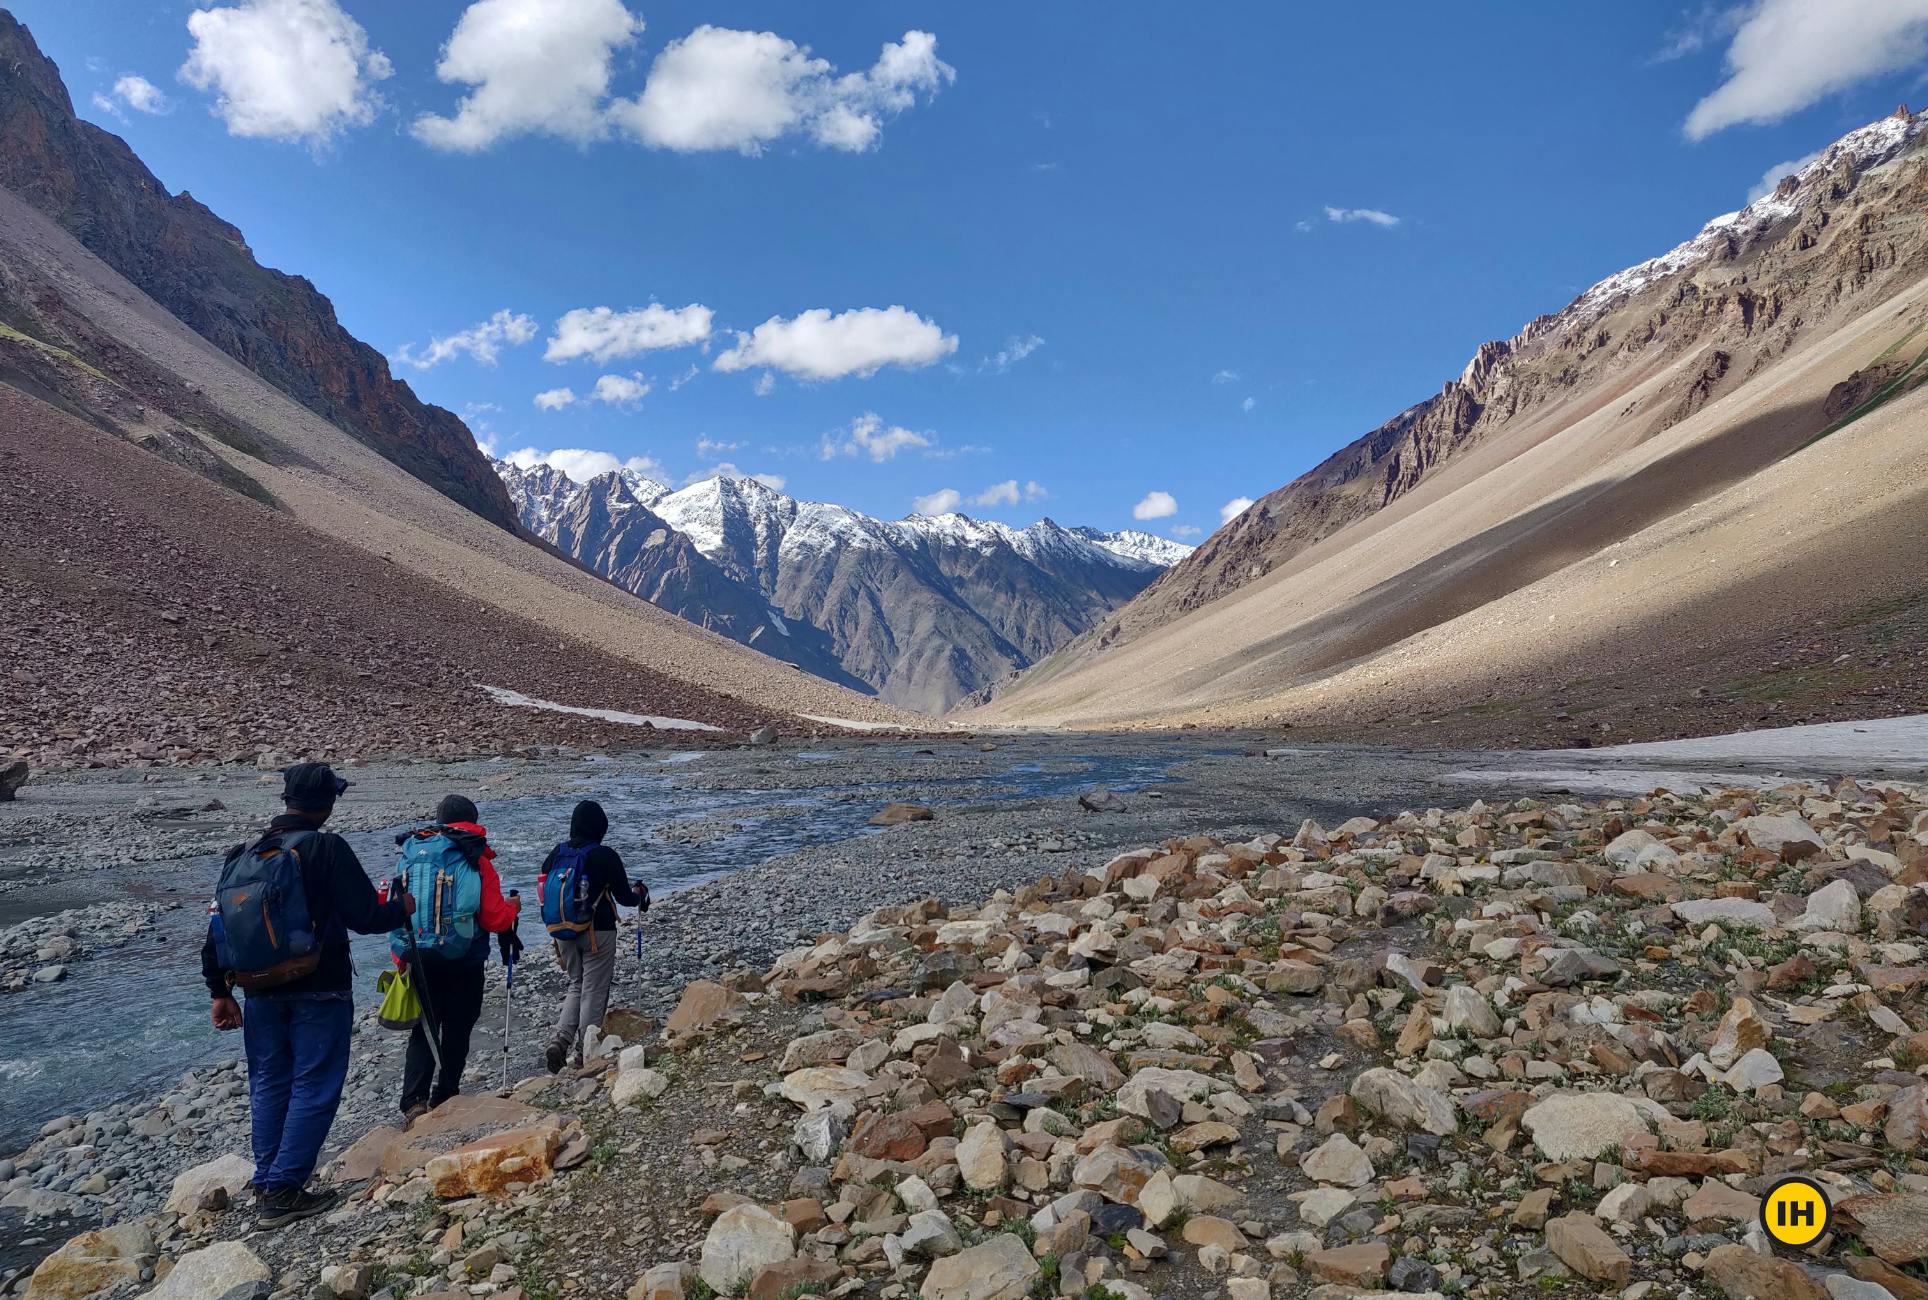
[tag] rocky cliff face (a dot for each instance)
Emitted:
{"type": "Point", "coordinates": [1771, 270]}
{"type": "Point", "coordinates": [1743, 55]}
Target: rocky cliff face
{"type": "Point", "coordinates": [200, 268]}
{"type": "Point", "coordinates": [1739, 294]}
{"type": "Point", "coordinates": [923, 611]}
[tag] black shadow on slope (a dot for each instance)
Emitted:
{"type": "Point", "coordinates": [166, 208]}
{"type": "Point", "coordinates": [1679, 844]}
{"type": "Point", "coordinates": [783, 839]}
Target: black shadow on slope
{"type": "Point", "coordinates": [1529, 546]}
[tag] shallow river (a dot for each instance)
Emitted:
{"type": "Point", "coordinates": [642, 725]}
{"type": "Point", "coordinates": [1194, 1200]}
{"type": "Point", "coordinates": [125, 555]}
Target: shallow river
{"type": "Point", "coordinates": [128, 1021]}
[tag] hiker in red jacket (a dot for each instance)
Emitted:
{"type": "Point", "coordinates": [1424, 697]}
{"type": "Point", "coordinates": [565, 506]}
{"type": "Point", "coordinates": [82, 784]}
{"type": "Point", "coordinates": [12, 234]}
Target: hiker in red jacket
{"type": "Point", "coordinates": [452, 984]}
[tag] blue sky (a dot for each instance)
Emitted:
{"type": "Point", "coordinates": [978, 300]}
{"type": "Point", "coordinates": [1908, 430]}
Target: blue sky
{"type": "Point", "coordinates": [1141, 258]}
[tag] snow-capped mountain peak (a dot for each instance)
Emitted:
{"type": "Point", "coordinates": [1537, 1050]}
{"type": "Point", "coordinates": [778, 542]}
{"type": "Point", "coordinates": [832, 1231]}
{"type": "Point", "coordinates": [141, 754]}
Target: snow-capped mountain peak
{"type": "Point", "coordinates": [862, 593]}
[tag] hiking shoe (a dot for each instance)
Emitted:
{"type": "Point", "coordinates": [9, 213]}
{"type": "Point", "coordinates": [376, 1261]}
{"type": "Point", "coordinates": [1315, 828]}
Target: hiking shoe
{"type": "Point", "coordinates": [412, 1114]}
{"type": "Point", "coordinates": [287, 1204]}
{"type": "Point", "coordinates": [554, 1057]}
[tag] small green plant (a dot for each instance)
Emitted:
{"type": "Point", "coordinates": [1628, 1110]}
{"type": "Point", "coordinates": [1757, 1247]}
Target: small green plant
{"type": "Point", "coordinates": [1099, 1291]}
{"type": "Point", "coordinates": [698, 1289]}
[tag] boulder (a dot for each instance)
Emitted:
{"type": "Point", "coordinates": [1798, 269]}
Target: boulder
{"type": "Point", "coordinates": [229, 1174]}
{"type": "Point", "coordinates": [1403, 1102]}
{"type": "Point", "coordinates": [1000, 1268]}
{"type": "Point", "coordinates": [488, 1166]}
{"type": "Point", "coordinates": [1786, 835]}
{"type": "Point", "coordinates": [226, 1270]}
{"type": "Point", "coordinates": [1360, 1264]}
{"type": "Point", "coordinates": [663, 1282]}
{"type": "Point", "coordinates": [636, 1086]}
{"type": "Point", "coordinates": [703, 1004]}
{"type": "Point", "coordinates": [1755, 1070]}
{"type": "Point", "coordinates": [795, 1277]}
{"type": "Point", "coordinates": [820, 1086]}
{"type": "Point", "coordinates": [744, 1240]}
{"type": "Point", "coordinates": [1741, 1030]}
{"type": "Point", "coordinates": [1734, 913]}
{"type": "Point", "coordinates": [981, 1159]}
{"type": "Point", "coordinates": [1339, 1161]}
{"type": "Point", "coordinates": [1586, 1125]}
{"type": "Point", "coordinates": [1583, 1246]}
{"type": "Point", "coordinates": [13, 775]}
{"type": "Point", "coordinates": [1893, 1225]}
{"type": "Point", "coordinates": [93, 1262]}
{"type": "Point", "coordinates": [1833, 907]}
{"type": "Point", "coordinates": [1468, 1012]}
{"type": "Point", "coordinates": [1740, 1274]}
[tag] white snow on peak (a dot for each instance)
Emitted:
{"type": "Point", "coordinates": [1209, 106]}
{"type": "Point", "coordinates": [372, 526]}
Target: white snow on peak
{"type": "Point", "coordinates": [1145, 548]}
{"type": "Point", "coordinates": [750, 524]}
{"type": "Point", "coordinates": [1869, 146]}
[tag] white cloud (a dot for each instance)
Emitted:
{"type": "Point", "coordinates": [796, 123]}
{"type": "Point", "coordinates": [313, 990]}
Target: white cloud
{"type": "Point", "coordinates": [685, 377]}
{"type": "Point", "coordinates": [582, 465]}
{"type": "Point", "coordinates": [602, 334]}
{"type": "Point", "coordinates": [818, 345]}
{"type": "Point", "coordinates": [139, 94]}
{"type": "Point", "coordinates": [766, 383]}
{"type": "Point", "coordinates": [554, 399]}
{"type": "Point", "coordinates": [1015, 349]}
{"type": "Point", "coordinates": [1185, 530]}
{"type": "Point", "coordinates": [723, 89]}
{"type": "Point", "coordinates": [1372, 216]}
{"type": "Point", "coordinates": [620, 390]}
{"type": "Point", "coordinates": [1009, 493]}
{"type": "Point", "coordinates": [537, 68]}
{"type": "Point", "coordinates": [1699, 28]}
{"type": "Point", "coordinates": [940, 502]}
{"type": "Point", "coordinates": [108, 106]}
{"type": "Point", "coordinates": [1233, 509]}
{"type": "Point", "coordinates": [1225, 377]}
{"type": "Point", "coordinates": [709, 447]}
{"type": "Point", "coordinates": [868, 436]}
{"type": "Point", "coordinates": [483, 343]}
{"type": "Point", "coordinates": [1772, 176]}
{"type": "Point", "coordinates": [1156, 505]}
{"type": "Point", "coordinates": [1787, 54]}
{"type": "Point", "coordinates": [285, 69]}
{"type": "Point", "coordinates": [1248, 404]}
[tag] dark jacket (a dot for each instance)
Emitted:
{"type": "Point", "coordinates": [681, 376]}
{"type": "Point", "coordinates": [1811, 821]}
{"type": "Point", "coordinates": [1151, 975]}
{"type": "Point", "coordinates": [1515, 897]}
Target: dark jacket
{"type": "Point", "coordinates": [340, 899]}
{"type": "Point", "coordinates": [608, 880]}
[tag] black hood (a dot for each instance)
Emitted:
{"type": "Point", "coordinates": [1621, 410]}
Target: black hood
{"type": "Point", "coordinates": [588, 823]}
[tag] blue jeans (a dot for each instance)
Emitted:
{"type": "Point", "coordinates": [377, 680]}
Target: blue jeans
{"type": "Point", "coordinates": [297, 1062]}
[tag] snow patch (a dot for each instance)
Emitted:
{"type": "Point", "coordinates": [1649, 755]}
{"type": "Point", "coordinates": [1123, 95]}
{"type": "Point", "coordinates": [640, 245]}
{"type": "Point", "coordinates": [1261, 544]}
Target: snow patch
{"type": "Point", "coordinates": [849, 724]}
{"type": "Point", "coordinates": [516, 699]}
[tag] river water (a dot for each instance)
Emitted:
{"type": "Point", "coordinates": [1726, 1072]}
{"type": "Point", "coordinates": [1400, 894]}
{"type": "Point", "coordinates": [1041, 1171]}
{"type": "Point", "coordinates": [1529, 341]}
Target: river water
{"type": "Point", "coordinates": [130, 1021]}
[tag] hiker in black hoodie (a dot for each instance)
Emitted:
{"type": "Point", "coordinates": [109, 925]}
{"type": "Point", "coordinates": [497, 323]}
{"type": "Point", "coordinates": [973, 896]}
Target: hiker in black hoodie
{"type": "Point", "coordinates": [589, 961]}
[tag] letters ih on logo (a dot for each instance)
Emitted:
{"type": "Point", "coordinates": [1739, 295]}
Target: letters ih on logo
{"type": "Point", "coordinates": [1795, 1212]}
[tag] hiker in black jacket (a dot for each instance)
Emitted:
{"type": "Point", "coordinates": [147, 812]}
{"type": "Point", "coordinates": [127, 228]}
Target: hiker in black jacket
{"type": "Point", "coordinates": [589, 962]}
{"type": "Point", "coordinates": [296, 1033]}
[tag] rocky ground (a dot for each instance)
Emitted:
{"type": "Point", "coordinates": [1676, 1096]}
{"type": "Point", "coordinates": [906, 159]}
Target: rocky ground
{"type": "Point", "coordinates": [1532, 1047]}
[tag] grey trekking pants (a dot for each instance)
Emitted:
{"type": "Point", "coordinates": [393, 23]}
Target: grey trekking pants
{"type": "Point", "coordinates": [587, 970]}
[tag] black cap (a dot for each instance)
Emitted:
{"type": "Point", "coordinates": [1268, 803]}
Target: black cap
{"type": "Point", "coordinates": [456, 808]}
{"type": "Point", "coordinates": [311, 787]}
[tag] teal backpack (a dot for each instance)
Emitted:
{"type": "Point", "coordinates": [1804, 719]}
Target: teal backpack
{"type": "Point", "coordinates": [448, 893]}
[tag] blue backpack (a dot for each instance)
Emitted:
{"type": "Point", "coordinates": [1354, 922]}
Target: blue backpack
{"type": "Point", "coordinates": [263, 933]}
{"type": "Point", "coordinates": [568, 909]}
{"type": "Point", "coordinates": [448, 893]}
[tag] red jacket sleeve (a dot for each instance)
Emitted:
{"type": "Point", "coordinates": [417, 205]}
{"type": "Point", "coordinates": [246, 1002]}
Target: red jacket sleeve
{"type": "Point", "coordinates": [496, 914]}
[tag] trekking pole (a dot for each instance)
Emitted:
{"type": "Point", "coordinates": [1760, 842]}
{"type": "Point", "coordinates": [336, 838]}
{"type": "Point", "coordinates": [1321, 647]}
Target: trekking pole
{"type": "Point", "coordinates": [430, 1026]}
{"type": "Point", "coordinates": [641, 1045]}
{"type": "Point", "coordinates": [508, 989]}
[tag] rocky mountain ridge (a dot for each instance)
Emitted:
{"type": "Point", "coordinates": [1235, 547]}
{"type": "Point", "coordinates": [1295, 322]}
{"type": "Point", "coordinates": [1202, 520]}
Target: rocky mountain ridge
{"type": "Point", "coordinates": [1702, 293]}
{"type": "Point", "coordinates": [924, 610]}
{"type": "Point", "coordinates": [201, 269]}
{"type": "Point", "coordinates": [1698, 412]}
